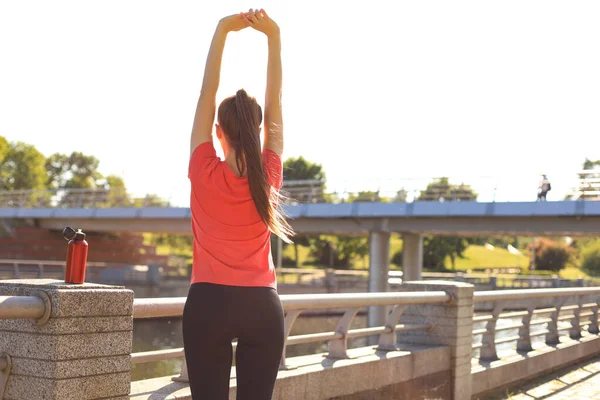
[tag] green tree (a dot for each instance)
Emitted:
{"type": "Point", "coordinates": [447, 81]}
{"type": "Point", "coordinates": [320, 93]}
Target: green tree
{"type": "Point", "coordinates": [437, 249]}
{"type": "Point", "coordinates": [21, 166]}
{"type": "Point", "coordinates": [591, 259]}
{"type": "Point", "coordinates": [74, 171]}
{"type": "Point", "coordinates": [551, 256]}
{"type": "Point", "coordinates": [301, 169]}
{"type": "Point", "coordinates": [589, 164]}
{"type": "Point", "coordinates": [440, 189]}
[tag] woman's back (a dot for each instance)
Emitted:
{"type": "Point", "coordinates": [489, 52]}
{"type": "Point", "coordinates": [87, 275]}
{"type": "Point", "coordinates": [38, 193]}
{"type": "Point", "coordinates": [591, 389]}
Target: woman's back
{"type": "Point", "coordinates": [231, 242]}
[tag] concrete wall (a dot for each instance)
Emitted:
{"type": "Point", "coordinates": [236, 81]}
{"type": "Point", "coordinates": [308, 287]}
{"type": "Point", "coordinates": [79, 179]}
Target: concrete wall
{"type": "Point", "coordinates": [82, 352]}
{"type": "Point", "coordinates": [414, 372]}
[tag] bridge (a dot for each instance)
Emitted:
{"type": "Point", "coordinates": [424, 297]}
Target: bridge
{"type": "Point", "coordinates": [62, 341]}
{"type": "Point", "coordinates": [377, 220]}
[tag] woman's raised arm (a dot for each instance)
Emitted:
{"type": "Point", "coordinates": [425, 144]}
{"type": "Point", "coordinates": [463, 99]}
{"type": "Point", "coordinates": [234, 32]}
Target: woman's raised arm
{"type": "Point", "coordinates": [273, 124]}
{"type": "Point", "coordinates": [206, 108]}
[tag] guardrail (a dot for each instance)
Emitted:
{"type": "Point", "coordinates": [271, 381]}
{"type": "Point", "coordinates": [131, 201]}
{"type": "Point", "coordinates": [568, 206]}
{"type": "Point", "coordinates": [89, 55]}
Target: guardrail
{"type": "Point", "coordinates": [333, 278]}
{"type": "Point", "coordinates": [489, 188]}
{"type": "Point", "coordinates": [22, 307]}
{"type": "Point", "coordinates": [554, 312]}
{"type": "Point", "coordinates": [293, 306]}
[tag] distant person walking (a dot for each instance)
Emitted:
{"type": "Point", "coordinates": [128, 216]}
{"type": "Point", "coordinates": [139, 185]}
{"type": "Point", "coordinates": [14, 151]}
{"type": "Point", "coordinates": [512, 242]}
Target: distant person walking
{"type": "Point", "coordinates": [234, 205]}
{"type": "Point", "coordinates": [543, 188]}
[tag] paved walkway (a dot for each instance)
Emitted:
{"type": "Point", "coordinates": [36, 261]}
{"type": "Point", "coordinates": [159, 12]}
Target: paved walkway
{"type": "Point", "coordinates": [579, 382]}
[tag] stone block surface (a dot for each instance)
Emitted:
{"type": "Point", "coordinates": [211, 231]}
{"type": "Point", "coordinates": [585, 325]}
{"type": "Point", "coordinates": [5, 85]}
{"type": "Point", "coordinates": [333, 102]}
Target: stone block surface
{"type": "Point", "coordinates": [70, 368]}
{"type": "Point", "coordinates": [61, 326]}
{"type": "Point", "coordinates": [87, 388]}
{"type": "Point", "coordinates": [66, 347]}
{"type": "Point", "coordinates": [70, 300]}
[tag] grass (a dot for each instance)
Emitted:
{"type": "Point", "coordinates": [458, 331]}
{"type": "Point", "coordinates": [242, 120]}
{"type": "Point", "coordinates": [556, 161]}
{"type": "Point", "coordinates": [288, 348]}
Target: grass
{"type": "Point", "coordinates": [572, 273]}
{"type": "Point", "coordinates": [480, 257]}
{"type": "Point", "coordinates": [475, 257]}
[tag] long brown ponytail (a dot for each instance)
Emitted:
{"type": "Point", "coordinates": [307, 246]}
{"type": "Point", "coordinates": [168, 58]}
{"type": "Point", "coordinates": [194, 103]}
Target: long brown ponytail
{"type": "Point", "coordinates": [240, 117]}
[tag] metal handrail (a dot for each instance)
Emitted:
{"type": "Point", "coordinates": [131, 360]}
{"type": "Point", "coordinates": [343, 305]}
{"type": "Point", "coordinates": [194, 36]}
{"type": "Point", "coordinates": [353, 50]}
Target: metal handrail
{"type": "Point", "coordinates": [173, 306]}
{"type": "Point", "coordinates": [293, 305]}
{"type": "Point", "coordinates": [17, 307]}
{"type": "Point", "coordinates": [502, 295]}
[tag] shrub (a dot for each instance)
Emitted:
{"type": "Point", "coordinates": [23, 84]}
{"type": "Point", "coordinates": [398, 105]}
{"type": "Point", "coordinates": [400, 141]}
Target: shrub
{"type": "Point", "coordinates": [591, 260]}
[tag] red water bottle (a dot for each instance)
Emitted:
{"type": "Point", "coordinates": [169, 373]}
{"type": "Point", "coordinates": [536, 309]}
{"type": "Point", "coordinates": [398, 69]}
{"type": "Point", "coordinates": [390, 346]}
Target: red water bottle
{"type": "Point", "coordinates": [76, 255]}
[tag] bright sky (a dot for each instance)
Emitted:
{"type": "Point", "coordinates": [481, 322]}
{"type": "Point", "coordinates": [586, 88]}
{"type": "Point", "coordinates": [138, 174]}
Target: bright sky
{"type": "Point", "coordinates": [378, 91]}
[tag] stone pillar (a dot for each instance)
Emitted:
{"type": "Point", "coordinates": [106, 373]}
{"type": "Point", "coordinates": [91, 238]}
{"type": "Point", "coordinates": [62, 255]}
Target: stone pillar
{"type": "Point", "coordinates": [379, 265]}
{"type": "Point", "coordinates": [412, 256]}
{"type": "Point", "coordinates": [451, 325]}
{"type": "Point", "coordinates": [82, 351]}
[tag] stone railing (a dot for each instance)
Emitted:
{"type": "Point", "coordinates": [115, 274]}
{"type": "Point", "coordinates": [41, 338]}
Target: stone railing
{"type": "Point", "coordinates": [61, 341]}
{"type": "Point", "coordinates": [556, 320]}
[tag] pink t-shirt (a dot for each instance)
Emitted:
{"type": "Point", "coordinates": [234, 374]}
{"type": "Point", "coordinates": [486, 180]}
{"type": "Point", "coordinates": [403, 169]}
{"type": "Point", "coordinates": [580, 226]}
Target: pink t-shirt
{"type": "Point", "coordinates": [231, 242]}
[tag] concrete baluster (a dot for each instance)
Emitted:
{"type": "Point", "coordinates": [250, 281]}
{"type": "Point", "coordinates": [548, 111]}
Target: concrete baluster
{"type": "Point", "coordinates": [387, 340]}
{"type": "Point", "coordinates": [488, 339]}
{"type": "Point", "coordinates": [183, 375]}
{"type": "Point", "coordinates": [16, 272]}
{"type": "Point", "coordinates": [575, 330]}
{"type": "Point", "coordinates": [41, 270]}
{"type": "Point", "coordinates": [594, 328]}
{"type": "Point", "coordinates": [290, 318]}
{"type": "Point", "coordinates": [553, 337]}
{"type": "Point", "coordinates": [524, 341]}
{"type": "Point", "coordinates": [338, 347]}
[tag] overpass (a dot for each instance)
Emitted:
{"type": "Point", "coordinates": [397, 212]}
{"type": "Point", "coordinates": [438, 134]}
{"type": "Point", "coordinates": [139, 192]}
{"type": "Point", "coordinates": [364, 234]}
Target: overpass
{"type": "Point", "coordinates": [376, 219]}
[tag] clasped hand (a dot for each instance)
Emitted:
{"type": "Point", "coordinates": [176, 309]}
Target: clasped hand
{"type": "Point", "coordinates": [257, 19]}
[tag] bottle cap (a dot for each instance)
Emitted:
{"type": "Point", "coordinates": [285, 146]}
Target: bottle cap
{"type": "Point", "coordinates": [70, 234]}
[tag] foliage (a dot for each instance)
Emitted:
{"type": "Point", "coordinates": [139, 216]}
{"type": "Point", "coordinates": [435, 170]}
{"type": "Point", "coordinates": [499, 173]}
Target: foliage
{"type": "Point", "coordinates": [551, 256]}
{"type": "Point", "coordinates": [342, 250]}
{"type": "Point", "coordinates": [21, 166]}
{"type": "Point", "coordinates": [73, 171]}
{"type": "Point", "coordinates": [437, 249]}
{"type": "Point", "coordinates": [302, 169]}
{"type": "Point", "coordinates": [589, 164]}
{"type": "Point", "coordinates": [591, 259]}
{"type": "Point", "coordinates": [440, 189]}
{"type": "Point", "coordinates": [366, 196]}
{"type": "Point", "coordinates": [397, 258]}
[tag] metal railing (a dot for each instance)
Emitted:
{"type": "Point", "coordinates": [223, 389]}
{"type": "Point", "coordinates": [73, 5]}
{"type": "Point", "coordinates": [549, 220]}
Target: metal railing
{"type": "Point", "coordinates": [332, 277]}
{"type": "Point", "coordinates": [488, 189]}
{"type": "Point", "coordinates": [536, 308]}
{"type": "Point", "coordinates": [294, 305]}
{"type": "Point", "coordinates": [22, 307]}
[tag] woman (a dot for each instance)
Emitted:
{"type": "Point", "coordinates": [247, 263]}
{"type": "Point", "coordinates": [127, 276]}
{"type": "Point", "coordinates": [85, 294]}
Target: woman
{"type": "Point", "coordinates": [234, 205]}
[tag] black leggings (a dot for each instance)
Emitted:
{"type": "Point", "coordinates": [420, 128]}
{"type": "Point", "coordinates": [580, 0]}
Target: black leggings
{"type": "Point", "coordinates": [213, 316]}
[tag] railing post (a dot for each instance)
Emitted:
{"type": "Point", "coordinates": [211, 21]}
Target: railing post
{"type": "Point", "coordinates": [575, 330]}
{"type": "Point", "coordinates": [183, 375]}
{"type": "Point", "coordinates": [81, 351]}
{"type": "Point", "coordinates": [387, 340]}
{"type": "Point", "coordinates": [593, 328]}
{"type": "Point", "coordinates": [16, 272]}
{"type": "Point", "coordinates": [338, 347]}
{"type": "Point", "coordinates": [41, 270]}
{"type": "Point", "coordinates": [488, 339]}
{"type": "Point", "coordinates": [290, 318]}
{"type": "Point", "coordinates": [524, 341]}
{"type": "Point", "coordinates": [451, 326]}
{"type": "Point", "coordinates": [494, 282]}
{"type": "Point", "coordinates": [553, 337]}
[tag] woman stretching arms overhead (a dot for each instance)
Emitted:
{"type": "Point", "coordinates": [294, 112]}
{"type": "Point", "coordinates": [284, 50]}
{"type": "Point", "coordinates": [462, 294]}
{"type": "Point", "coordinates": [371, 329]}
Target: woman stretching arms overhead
{"type": "Point", "coordinates": [234, 205]}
